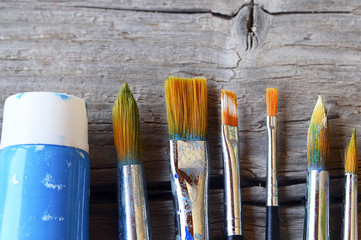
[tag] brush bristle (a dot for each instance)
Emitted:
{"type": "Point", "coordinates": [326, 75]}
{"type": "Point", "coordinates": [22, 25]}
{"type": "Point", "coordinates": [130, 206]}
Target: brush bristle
{"type": "Point", "coordinates": [351, 161]}
{"type": "Point", "coordinates": [272, 101]}
{"type": "Point", "coordinates": [126, 128]}
{"type": "Point", "coordinates": [229, 108]}
{"type": "Point", "coordinates": [318, 138]}
{"type": "Point", "coordinates": [186, 101]}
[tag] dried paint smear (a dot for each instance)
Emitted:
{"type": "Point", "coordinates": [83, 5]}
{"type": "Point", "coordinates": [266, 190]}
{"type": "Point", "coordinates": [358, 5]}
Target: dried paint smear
{"type": "Point", "coordinates": [49, 182]}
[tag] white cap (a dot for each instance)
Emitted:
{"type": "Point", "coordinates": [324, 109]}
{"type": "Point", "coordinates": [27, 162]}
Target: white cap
{"type": "Point", "coordinates": [45, 118]}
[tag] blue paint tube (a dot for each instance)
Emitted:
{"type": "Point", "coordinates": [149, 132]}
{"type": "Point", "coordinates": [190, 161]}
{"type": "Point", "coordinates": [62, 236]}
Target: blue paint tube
{"type": "Point", "coordinates": [44, 168]}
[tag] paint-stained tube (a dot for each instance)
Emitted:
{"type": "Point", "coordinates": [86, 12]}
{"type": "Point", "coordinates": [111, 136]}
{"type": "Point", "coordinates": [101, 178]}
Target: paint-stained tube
{"type": "Point", "coordinates": [44, 168]}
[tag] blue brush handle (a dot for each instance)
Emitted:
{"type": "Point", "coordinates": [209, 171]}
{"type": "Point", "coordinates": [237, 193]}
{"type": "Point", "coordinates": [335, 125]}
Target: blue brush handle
{"type": "Point", "coordinates": [272, 227]}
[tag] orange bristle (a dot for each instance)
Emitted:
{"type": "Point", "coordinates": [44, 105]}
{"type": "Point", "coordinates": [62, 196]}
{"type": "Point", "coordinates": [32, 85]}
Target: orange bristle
{"type": "Point", "coordinates": [351, 160]}
{"type": "Point", "coordinates": [126, 128]}
{"type": "Point", "coordinates": [186, 102]}
{"type": "Point", "coordinates": [272, 101]}
{"type": "Point", "coordinates": [229, 108]}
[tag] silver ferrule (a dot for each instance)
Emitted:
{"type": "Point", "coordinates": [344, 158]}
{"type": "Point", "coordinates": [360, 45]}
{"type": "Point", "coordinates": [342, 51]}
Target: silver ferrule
{"type": "Point", "coordinates": [232, 181]}
{"type": "Point", "coordinates": [272, 185]}
{"type": "Point", "coordinates": [350, 208]}
{"type": "Point", "coordinates": [134, 223]}
{"type": "Point", "coordinates": [189, 181]}
{"type": "Point", "coordinates": [317, 206]}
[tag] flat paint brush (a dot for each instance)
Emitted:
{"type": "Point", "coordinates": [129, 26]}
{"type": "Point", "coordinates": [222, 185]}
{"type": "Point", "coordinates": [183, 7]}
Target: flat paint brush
{"type": "Point", "coordinates": [350, 223]}
{"type": "Point", "coordinates": [317, 198]}
{"type": "Point", "coordinates": [132, 198]}
{"type": "Point", "coordinates": [272, 224]}
{"type": "Point", "coordinates": [186, 101]}
{"type": "Point", "coordinates": [231, 170]}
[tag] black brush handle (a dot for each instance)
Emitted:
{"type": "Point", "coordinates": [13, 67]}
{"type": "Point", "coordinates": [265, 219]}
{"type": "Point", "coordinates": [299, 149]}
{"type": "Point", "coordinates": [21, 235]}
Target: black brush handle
{"type": "Point", "coordinates": [273, 226]}
{"type": "Point", "coordinates": [235, 237]}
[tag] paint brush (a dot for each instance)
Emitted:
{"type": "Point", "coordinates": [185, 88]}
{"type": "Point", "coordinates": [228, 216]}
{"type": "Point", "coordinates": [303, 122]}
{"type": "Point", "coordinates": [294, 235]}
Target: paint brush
{"type": "Point", "coordinates": [186, 101]}
{"type": "Point", "coordinates": [132, 198]}
{"type": "Point", "coordinates": [317, 198]}
{"type": "Point", "coordinates": [232, 177]}
{"type": "Point", "coordinates": [272, 224]}
{"type": "Point", "coordinates": [350, 223]}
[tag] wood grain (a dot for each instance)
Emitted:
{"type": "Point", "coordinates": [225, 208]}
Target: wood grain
{"type": "Point", "coordinates": [89, 48]}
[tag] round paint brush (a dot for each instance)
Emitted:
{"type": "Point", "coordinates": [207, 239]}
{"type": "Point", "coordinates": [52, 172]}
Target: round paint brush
{"type": "Point", "coordinates": [317, 198]}
{"type": "Point", "coordinates": [132, 198]}
{"type": "Point", "coordinates": [272, 225]}
{"type": "Point", "coordinates": [350, 223]}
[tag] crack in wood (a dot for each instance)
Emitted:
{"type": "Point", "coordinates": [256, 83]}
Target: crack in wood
{"type": "Point", "coordinates": [216, 14]}
{"type": "Point", "coordinates": [169, 11]}
{"type": "Point", "coordinates": [302, 12]}
{"type": "Point", "coordinates": [250, 25]}
{"type": "Point", "coordinates": [172, 11]}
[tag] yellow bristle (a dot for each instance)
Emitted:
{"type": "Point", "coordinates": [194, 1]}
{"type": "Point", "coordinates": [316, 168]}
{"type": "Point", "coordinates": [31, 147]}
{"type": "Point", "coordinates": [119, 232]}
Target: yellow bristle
{"type": "Point", "coordinates": [351, 159]}
{"type": "Point", "coordinates": [229, 108]}
{"type": "Point", "coordinates": [318, 138]}
{"type": "Point", "coordinates": [272, 101]}
{"type": "Point", "coordinates": [186, 101]}
{"type": "Point", "coordinates": [126, 128]}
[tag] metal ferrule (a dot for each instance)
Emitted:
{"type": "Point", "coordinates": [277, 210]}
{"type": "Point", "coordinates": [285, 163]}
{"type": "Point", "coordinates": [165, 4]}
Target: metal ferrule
{"type": "Point", "coordinates": [272, 185]}
{"type": "Point", "coordinates": [350, 208]}
{"type": "Point", "coordinates": [189, 180]}
{"type": "Point", "coordinates": [132, 199]}
{"type": "Point", "coordinates": [317, 206]}
{"type": "Point", "coordinates": [232, 181]}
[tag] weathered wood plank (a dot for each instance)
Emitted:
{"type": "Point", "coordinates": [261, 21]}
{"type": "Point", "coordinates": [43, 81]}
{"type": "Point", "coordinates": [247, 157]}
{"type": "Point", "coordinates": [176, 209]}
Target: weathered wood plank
{"type": "Point", "coordinates": [86, 62]}
{"type": "Point", "coordinates": [61, 50]}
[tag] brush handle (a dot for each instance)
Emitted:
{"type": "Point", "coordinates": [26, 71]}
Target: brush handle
{"type": "Point", "coordinates": [272, 227]}
{"type": "Point", "coordinates": [235, 237]}
{"type": "Point", "coordinates": [189, 180]}
{"type": "Point", "coordinates": [134, 222]}
{"type": "Point", "coordinates": [272, 185]}
{"type": "Point", "coordinates": [232, 182]}
{"type": "Point", "coordinates": [350, 223]}
{"type": "Point", "coordinates": [317, 206]}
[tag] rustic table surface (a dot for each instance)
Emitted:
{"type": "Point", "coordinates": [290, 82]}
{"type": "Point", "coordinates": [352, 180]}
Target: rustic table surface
{"type": "Point", "coordinates": [88, 49]}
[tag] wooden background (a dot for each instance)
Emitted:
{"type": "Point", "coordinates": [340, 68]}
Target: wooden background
{"type": "Point", "coordinates": [89, 48]}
